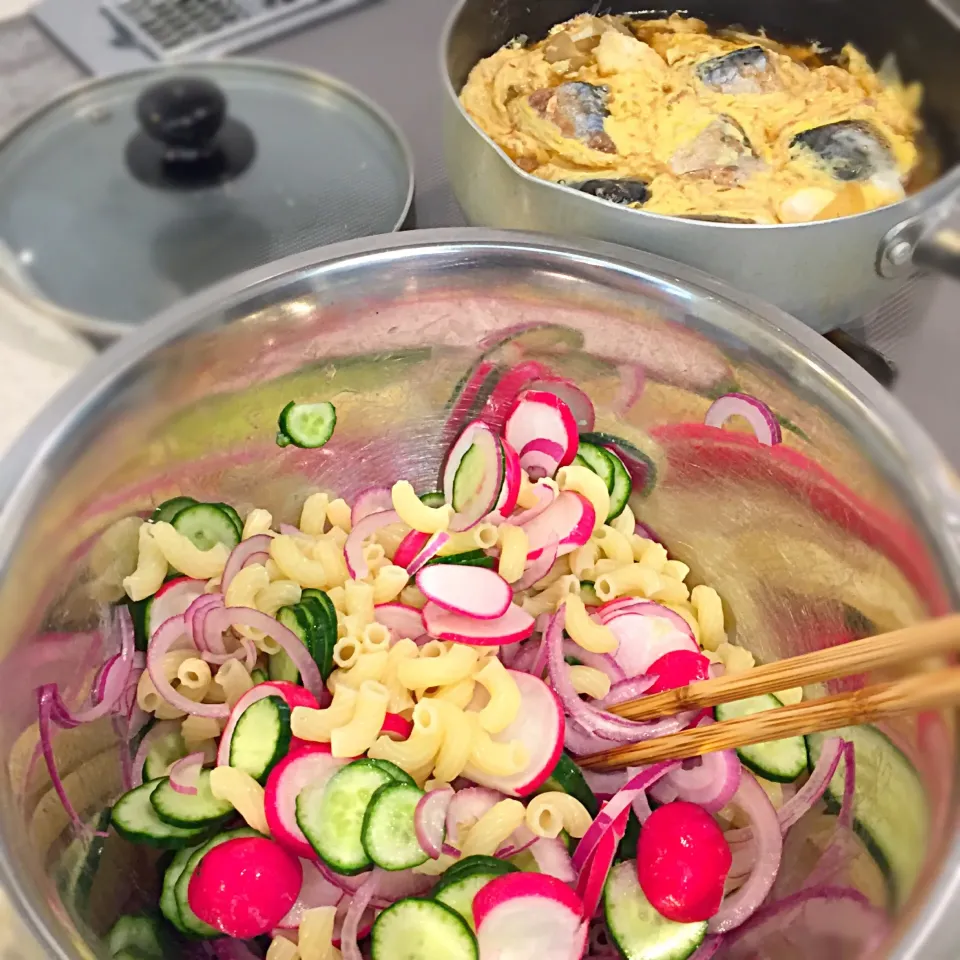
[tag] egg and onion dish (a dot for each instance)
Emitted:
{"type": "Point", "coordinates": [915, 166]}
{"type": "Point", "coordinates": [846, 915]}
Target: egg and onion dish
{"type": "Point", "coordinates": [676, 119]}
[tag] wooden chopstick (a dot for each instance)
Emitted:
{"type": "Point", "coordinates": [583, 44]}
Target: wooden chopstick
{"type": "Point", "coordinates": [906, 646]}
{"type": "Point", "coordinates": [909, 646]}
{"type": "Point", "coordinates": [924, 691]}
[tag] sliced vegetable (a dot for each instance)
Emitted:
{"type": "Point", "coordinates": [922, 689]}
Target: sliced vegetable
{"type": "Point", "coordinates": [516, 624]}
{"type": "Point", "coordinates": [315, 891]}
{"type": "Point", "coordinates": [168, 890]}
{"type": "Point", "coordinates": [472, 475]}
{"type": "Point", "coordinates": [682, 862]}
{"type": "Point", "coordinates": [172, 599]}
{"type": "Point", "coordinates": [402, 621]}
{"type": "Point", "coordinates": [165, 748]}
{"type": "Point", "coordinates": [414, 929]}
{"type": "Point", "coordinates": [646, 631]}
{"type": "Point", "coordinates": [761, 418]}
{"type": "Point", "coordinates": [371, 500]}
{"type": "Point", "coordinates": [457, 890]}
{"type": "Point", "coordinates": [170, 508]}
{"type": "Point", "coordinates": [308, 425]}
{"type": "Point", "coordinates": [310, 765]}
{"type": "Point", "coordinates": [537, 416]}
{"type": "Point", "coordinates": [469, 558]}
{"type": "Point", "coordinates": [642, 470]}
{"type": "Point", "coordinates": [201, 809]}
{"type": "Point", "coordinates": [206, 525]}
{"type": "Point", "coordinates": [677, 669]}
{"type": "Point", "coordinates": [567, 777]}
{"type": "Point", "coordinates": [244, 886]}
{"type": "Point", "coordinates": [527, 915]}
{"type": "Point", "coordinates": [331, 815]}
{"type": "Point", "coordinates": [470, 592]}
{"type": "Point", "coordinates": [598, 460]}
{"type": "Point", "coordinates": [621, 489]}
{"type": "Point", "coordinates": [135, 818]}
{"type": "Point", "coordinates": [389, 834]}
{"type": "Point", "coordinates": [142, 934]}
{"type": "Point", "coordinates": [779, 760]}
{"type": "Point", "coordinates": [568, 521]}
{"type": "Point", "coordinates": [539, 726]}
{"type": "Point", "coordinates": [430, 818]}
{"type": "Point", "coordinates": [261, 737]}
{"type": "Point", "coordinates": [639, 930]}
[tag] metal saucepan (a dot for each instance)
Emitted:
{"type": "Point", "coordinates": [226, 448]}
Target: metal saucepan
{"type": "Point", "coordinates": [826, 273]}
{"type": "Point", "coordinates": [850, 524]}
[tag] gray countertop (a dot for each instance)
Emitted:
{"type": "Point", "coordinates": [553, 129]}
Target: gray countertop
{"type": "Point", "coordinates": [389, 50]}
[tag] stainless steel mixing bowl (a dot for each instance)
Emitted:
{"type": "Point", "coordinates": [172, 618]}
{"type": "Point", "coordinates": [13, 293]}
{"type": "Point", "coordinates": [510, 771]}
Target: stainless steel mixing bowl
{"type": "Point", "coordinates": [851, 525]}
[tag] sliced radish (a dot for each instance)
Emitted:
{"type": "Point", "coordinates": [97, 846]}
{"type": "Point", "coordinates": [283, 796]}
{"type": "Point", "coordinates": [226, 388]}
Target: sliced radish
{"type": "Point", "coordinates": [553, 858]}
{"type": "Point", "coordinates": [538, 568]}
{"type": "Point", "coordinates": [593, 874]}
{"type": "Point", "coordinates": [516, 624]}
{"type": "Point", "coordinates": [409, 547]}
{"type": "Point", "coordinates": [545, 493]}
{"type": "Point", "coordinates": [677, 669]}
{"type": "Point", "coordinates": [465, 398]}
{"type": "Point", "coordinates": [470, 591]}
{"type": "Point", "coordinates": [427, 552]}
{"type": "Point", "coordinates": [307, 766]}
{"type": "Point", "coordinates": [430, 820]}
{"type": "Point", "coordinates": [539, 726]}
{"type": "Point", "coordinates": [244, 887]}
{"type": "Point", "coordinates": [369, 501]}
{"type": "Point", "coordinates": [537, 415]}
{"type": "Point", "coordinates": [402, 621]}
{"type": "Point", "coordinates": [511, 383]}
{"type": "Point", "coordinates": [472, 475]}
{"type": "Point", "coordinates": [511, 483]}
{"type": "Point", "coordinates": [315, 891]}
{"type": "Point", "coordinates": [367, 527]}
{"type": "Point", "coordinates": [542, 458]}
{"type": "Point", "coordinates": [523, 915]}
{"type": "Point", "coordinates": [579, 403]}
{"type": "Point", "coordinates": [173, 599]}
{"type": "Point", "coordinates": [644, 608]}
{"type": "Point", "coordinates": [568, 521]}
{"type": "Point", "coordinates": [295, 696]}
{"type": "Point", "coordinates": [645, 636]}
{"type": "Point", "coordinates": [396, 727]}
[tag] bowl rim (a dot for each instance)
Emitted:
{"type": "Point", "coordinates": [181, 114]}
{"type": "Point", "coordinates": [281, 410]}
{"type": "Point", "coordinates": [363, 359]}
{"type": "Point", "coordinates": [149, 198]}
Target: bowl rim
{"type": "Point", "coordinates": [936, 497]}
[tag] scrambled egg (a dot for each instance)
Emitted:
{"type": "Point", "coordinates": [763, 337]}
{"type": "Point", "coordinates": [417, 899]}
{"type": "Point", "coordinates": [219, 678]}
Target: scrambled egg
{"type": "Point", "coordinates": [724, 126]}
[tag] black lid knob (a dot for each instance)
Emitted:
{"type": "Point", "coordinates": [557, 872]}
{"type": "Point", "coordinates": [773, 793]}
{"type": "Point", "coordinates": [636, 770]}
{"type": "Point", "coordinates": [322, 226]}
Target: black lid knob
{"type": "Point", "coordinates": [186, 138]}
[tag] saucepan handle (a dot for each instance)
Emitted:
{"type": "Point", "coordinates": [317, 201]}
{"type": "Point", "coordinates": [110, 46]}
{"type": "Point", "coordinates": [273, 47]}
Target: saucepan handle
{"type": "Point", "coordinates": [930, 241]}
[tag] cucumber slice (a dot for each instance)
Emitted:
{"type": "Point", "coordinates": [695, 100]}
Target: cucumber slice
{"type": "Point", "coordinates": [890, 807]}
{"type": "Point", "coordinates": [475, 863]}
{"type": "Point", "coordinates": [331, 816]}
{"type": "Point", "coordinates": [201, 809]}
{"type": "Point", "coordinates": [142, 934]}
{"type": "Point", "coordinates": [457, 892]}
{"type": "Point", "coordinates": [206, 525]}
{"type": "Point", "coordinates": [170, 508]}
{"type": "Point", "coordinates": [469, 476]}
{"type": "Point", "coordinates": [469, 558]}
{"type": "Point", "coordinates": [134, 817]}
{"type": "Point", "coordinates": [261, 737]}
{"type": "Point", "coordinates": [281, 667]}
{"type": "Point", "coordinates": [598, 460]}
{"type": "Point", "coordinates": [233, 515]}
{"type": "Point", "coordinates": [639, 465]}
{"type": "Point", "coordinates": [296, 619]}
{"type": "Point", "coordinates": [388, 834]}
{"type": "Point", "coordinates": [308, 425]}
{"type": "Point", "coordinates": [433, 498]}
{"type": "Point", "coordinates": [622, 487]}
{"type": "Point", "coordinates": [189, 921]}
{"type": "Point", "coordinates": [165, 751]}
{"type": "Point", "coordinates": [168, 891]}
{"type": "Point", "coordinates": [398, 774]}
{"type": "Point", "coordinates": [324, 636]}
{"type": "Point", "coordinates": [780, 760]}
{"type": "Point", "coordinates": [639, 931]}
{"type": "Point", "coordinates": [567, 778]}
{"type": "Point", "coordinates": [259, 676]}
{"type": "Point", "coordinates": [415, 929]}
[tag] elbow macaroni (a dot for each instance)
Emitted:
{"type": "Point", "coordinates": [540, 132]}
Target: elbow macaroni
{"type": "Point", "coordinates": [584, 481]}
{"type": "Point", "coordinates": [183, 555]}
{"type": "Point", "coordinates": [357, 736]}
{"type": "Point", "coordinates": [388, 581]}
{"type": "Point", "coordinates": [238, 788]}
{"type": "Point", "coordinates": [313, 514]}
{"type": "Point", "coordinates": [504, 703]}
{"type": "Point", "coordinates": [549, 813]}
{"type": "Point", "coordinates": [633, 580]}
{"type": "Point", "coordinates": [488, 834]}
{"type": "Point", "coordinates": [316, 934]}
{"type": "Point", "coordinates": [415, 513]}
{"type": "Point", "coordinates": [309, 723]}
{"type": "Point", "coordinates": [590, 681]}
{"type": "Point", "coordinates": [451, 666]}
{"type": "Point", "coordinates": [497, 759]}
{"type": "Point", "coordinates": [593, 637]}
{"type": "Point", "coordinates": [285, 552]}
{"type": "Point", "coordinates": [709, 610]}
{"type": "Point", "coordinates": [151, 568]}
{"type": "Point", "coordinates": [234, 680]}
{"type": "Point", "coordinates": [257, 522]}
{"type": "Point", "coordinates": [613, 545]}
{"type": "Point", "coordinates": [423, 744]}
{"type": "Point", "coordinates": [457, 742]}
{"type": "Point", "coordinates": [339, 515]}
{"type": "Point", "coordinates": [514, 547]}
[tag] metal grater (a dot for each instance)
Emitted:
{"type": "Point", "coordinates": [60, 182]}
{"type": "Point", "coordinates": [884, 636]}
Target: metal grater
{"type": "Point", "coordinates": [175, 29]}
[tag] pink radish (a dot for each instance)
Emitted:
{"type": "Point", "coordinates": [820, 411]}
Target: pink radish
{"type": "Point", "coordinates": [568, 521]}
{"type": "Point", "coordinates": [682, 862]}
{"type": "Point", "coordinates": [545, 495]}
{"type": "Point", "coordinates": [593, 874]}
{"type": "Point", "coordinates": [537, 415]}
{"type": "Point", "coordinates": [644, 608]}
{"type": "Point", "coordinates": [245, 887]}
{"type": "Point", "coordinates": [402, 621]}
{"type": "Point", "coordinates": [430, 819]}
{"type": "Point", "coordinates": [511, 483]}
{"type": "Point", "coordinates": [463, 405]}
{"type": "Point", "coordinates": [470, 591]}
{"type": "Point", "coordinates": [553, 858]}
{"type": "Point", "coordinates": [171, 600]}
{"type": "Point", "coordinates": [539, 726]}
{"type": "Point", "coordinates": [541, 458]}
{"type": "Point", "coordinates": [677, 669]}
{"type": "Point", "coordinates": [427, 552]}
{"type": "Point", "coordinates": [307, 766]}
{"type": "Point", "coordinates": [396, 727]}
{"type": "Point", "coordinates": [409, 547]}
{"type": "Point", "coordinates": [472, 475]}
{"type": "Point", "coordinates": [523, 915]}
{"type": "Point", "coordinates": [579, 403]}
{"type": "Point", "coordinates": [503, 395]}
{"type": "Point", "coordinates": [371, 500]}
{"type": "Point", "coordinates": [645, 637]}
{"type": "Point", "coordinates": [516, 624]}
{"type": "Point", "coordinates": [315, 891]}
{"type": "Point", "coordinates": [293, 695]}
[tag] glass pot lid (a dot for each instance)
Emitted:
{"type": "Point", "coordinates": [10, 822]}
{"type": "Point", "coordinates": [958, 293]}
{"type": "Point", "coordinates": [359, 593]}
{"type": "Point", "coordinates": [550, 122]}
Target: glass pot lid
{"type": "Point", "coordinates": [132, 192]}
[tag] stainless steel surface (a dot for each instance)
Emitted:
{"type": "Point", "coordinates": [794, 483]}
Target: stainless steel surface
{"type": "Point", "coordinates": [101, 251]}
{"type": "Point", "coordinates": [385, 328]}
{"type": "Point", "coordinates": [827, 274]}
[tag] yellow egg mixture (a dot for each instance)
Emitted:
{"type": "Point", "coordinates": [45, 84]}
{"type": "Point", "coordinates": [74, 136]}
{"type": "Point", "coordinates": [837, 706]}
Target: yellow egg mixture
{"type": "Point", "coordinates": [666, 115]}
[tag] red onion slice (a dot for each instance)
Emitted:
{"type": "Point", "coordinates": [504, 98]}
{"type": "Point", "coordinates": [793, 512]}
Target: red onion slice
{"type": "Point", "coordinates": [169, 632]}
{"type": "Point", "coordinates": [537, 569]}
{"type": "Point", "coordinates": [626, 690]}
{"type": "Point", "coordinates": [247, 652]}
{"type": "Point", "coordinates": [195, 615]}
{"type": "Point", "coordinates": [710, 781]}
{"type": "Point", "coordinates": [553, 859]}
{"type": "Point", "coordinates": [399, 884]}
{"type": "Point", "coordinates": [708, 948]}
{"type": "Point", "coordinates": [185, 774]}
{"type": "Point", "coordinates": [353, 547]}
{"type": "Point", "coordinates": [402, 621]}
{"type": "Point", "coordinates": [740, 906]}
{"type": "Point", "coordinates": [409, 547]}
{"type": "Point", "coordinates": [315, 891]}
{"type": "Point", "coordinates": [593, 874]}
{"type": "Point", "coordinates": [648, 533]}
{"type": "Point", "coordinates": [253, 550]}
{"type": "Point", "coordinates": [760, 417]}
{"type": "Point", "coordinates": [348, 884]}
{"type": "Point", "coordinates": [632, 381]}
{"type": "Point", "coordinates": [370, 501]}
{"type": "Point", "coordinates": [599, 661]}
{"type": "Point", "coordinates": [351, 922]}
{"type": "Point", "coordinates": [430, 819]}
{"type": "Point", "coordinates": [467, 807]}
